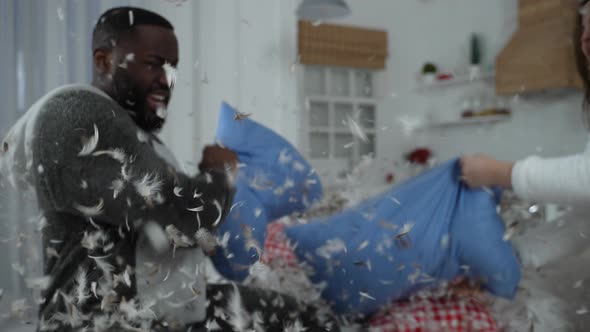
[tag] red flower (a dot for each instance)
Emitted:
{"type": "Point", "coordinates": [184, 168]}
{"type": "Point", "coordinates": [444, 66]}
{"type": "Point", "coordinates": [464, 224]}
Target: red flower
{"type": "Point", "coordinates": [419, 156]}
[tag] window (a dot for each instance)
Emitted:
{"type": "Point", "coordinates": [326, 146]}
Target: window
{"type": "Point", "coordinates": [340, 113]}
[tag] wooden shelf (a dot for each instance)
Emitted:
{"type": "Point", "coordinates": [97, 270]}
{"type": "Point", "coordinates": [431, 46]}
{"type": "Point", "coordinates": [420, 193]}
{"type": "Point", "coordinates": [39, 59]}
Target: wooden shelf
{"type": "Point", "coordinates": [457, 80]}
{"type": "Point", "coordinates": [484, 119]}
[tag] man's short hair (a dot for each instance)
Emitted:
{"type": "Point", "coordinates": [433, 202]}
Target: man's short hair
{"type": "Point", "coordinates": [120, 22]}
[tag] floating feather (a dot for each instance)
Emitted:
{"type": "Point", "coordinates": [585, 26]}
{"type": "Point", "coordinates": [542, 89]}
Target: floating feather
{"type": "Point", "coordinates": [197, 209]}
{"type": "Point", "coordinates": [332, 247]}
{"type": "Point", "coordinates": [241, 116]}
{"type": "Point", "coordinates": [162, 112]}
{"type": "Point", "coordinates": [90, 144]}
{"type": "Point", "coordinates": [357, 130]}
{"type": "Point", "coordinates": [19, 268]}
{"type": "Point", "coordinates": [177, 238]}
{"type": "Point", "coordinates": [219, 211]}
{"type": "Point", "coordinates": [90, 211]}
{"type": "Point", "coordinates": [117, 154]}
{"type": "Point", "coordinates": [93, 288]}
{"type": "Point", "coordinates": [156, 236]}
{"type": "Point", "coordinates": [177, 191]}
{"type": "Point", "coordinates": [80, 292]}
{"type": "Point", "coordinates": [142, 136]}
{"type": "Point", "coordinates": [148, 186]}
{"type": "Point", "coordinates": [238, 316]}
{"type": "Point", "coordinates": [296, 326]}
{"type": "Point", "coordinates": [366, 295]}
{"type": "Point", "coordinates": [40, 283]}
{"type": "Point", "coordinates": [117, 187]}
{"type": "Point", "coordinates": [170, 74]}
{"type": "Point", "coordinates": [205, 240]}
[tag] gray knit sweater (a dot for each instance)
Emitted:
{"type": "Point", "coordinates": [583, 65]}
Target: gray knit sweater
{"type": "Point", "coordinates": [97, 198]}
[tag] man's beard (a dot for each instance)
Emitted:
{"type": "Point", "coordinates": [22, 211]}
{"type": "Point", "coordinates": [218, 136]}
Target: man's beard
{"type": "Point", "coordinates": [131, 98]}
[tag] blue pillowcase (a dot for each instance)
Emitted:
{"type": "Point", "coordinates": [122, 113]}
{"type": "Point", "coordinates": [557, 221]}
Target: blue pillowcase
{"type": "Point", "coordinates": [274, 180]}
{"type": "Point", "coordinates": [429, 229]}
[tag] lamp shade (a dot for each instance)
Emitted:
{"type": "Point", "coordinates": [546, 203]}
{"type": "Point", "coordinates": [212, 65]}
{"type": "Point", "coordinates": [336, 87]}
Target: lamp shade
{"type": "Point", "coordinates": [322, 9]}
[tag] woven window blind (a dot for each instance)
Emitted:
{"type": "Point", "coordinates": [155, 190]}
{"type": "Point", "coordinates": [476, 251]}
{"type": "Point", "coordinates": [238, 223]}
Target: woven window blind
{"type": "Point", "coordinates": [336, 45]}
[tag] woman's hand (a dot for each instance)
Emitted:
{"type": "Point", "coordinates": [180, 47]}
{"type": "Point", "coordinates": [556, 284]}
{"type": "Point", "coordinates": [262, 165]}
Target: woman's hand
{"type": "Point", "coordinates": [480, 171]}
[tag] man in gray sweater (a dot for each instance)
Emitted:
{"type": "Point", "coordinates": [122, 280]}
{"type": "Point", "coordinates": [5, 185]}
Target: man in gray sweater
{"type": "Point", "coordinates": [105, 186]}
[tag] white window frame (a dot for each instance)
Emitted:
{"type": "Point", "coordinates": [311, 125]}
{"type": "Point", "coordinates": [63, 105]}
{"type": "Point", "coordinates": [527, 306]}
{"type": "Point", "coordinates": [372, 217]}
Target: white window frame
{"type": "Point", "coordinates": [337, 164]}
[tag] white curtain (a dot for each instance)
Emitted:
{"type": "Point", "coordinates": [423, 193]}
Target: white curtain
{"type": "Point", "coordinates": [44, 44]}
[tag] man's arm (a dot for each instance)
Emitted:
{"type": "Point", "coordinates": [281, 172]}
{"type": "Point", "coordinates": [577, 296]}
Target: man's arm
{"type": "Point", "coordinates": [122, 180]}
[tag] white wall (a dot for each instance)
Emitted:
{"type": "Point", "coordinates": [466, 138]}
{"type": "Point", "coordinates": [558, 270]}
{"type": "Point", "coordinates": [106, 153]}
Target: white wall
{"type": "Point", "coordinates": [246, 50]}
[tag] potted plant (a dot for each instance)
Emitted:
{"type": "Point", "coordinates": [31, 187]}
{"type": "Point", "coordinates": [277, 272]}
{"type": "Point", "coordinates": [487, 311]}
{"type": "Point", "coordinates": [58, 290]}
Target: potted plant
{"type": "Point", "coordinates": [429, 71]}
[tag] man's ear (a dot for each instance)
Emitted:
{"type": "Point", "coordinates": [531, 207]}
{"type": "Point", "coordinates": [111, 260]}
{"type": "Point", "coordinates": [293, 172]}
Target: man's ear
{"type": "Point", "coordinates": [103, 60]}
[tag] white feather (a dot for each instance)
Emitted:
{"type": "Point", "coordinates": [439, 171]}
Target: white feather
{"type": "Point", "coordinates": [177, 191]}
{"type": "Point", "coordinates": [205, 240]}
{"type": "Point", "coordinates": [80, 292]}
{"type": "Point", "coordinates": [41, 283]}
{"type": "Point", "coordinates": [298, 166]}
{"type": "Point", "coordinates": [47, 325]}
{"type": "Point", "coordinates": [117, 186]}
{"type": "Point", "coordinates": [170, 74]}
{"type": "Point", "coordinates": [238, 316]}
{"type": "Point", "coordinates": [406, 228]}
{"type": "Point", "coordinates": [106, 268]}
{"type": "Point", "coordinates": [219, 211]}
{"type": "Point", "coordinates": [142, 136]}
{"type": "Point", "coordinates": [332, 246]}
{"type": "Point", "coordinates": [296, 326]}
{"type": "Point", "coordinates": [19, 268]}
{"type": "Point", "coordinates": [366, 295]}
{"type": "Point", "coordinates": [93, 288]}
{"type": "Point", "coordinates": [126, 172]}
{"type": "Point", "coordinates": [363, 245]}
{"type": "Point", "coordinates": [284, 157]}
{"type": "Point", "coordinates": [60, 14]}
{"type": "Point", "coordinates": [94, 240]}
{"type": "Point", "coordinates": [165, 296]}
{"type": "Point", "coordinates": [177, 238]}
{"type": "Point", "coordinates": [42, 223]}
{"type": "Point", "coordinates": [357, 130]}
{"type": "Point", "coordinates": [148, 186]}
{"type": "Point", "coordinates": [90, 211]}
{"type": "Point", "coordinates": [73, 317]}
{"type": "Point", "coordinates": [197, 209]}
{"type": "Point", "coordinates": [162, 112]}
{"type": "Point", "coordinates": [117, 154]}
{"type": "Point", "coordinates": [90, 144]}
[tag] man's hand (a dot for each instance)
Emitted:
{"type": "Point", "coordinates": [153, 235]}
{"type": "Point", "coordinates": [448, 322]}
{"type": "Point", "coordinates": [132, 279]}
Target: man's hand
{"type": "Point", "coordinates": [480, 170]}
{"type": "Point", "coordinates": [217, 158]}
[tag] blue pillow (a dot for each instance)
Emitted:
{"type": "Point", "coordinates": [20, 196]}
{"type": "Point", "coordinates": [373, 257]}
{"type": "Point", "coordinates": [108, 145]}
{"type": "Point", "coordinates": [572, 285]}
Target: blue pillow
{"type": "Point", "coordinates": [276, 172]}
{"type": "Point", "coordinates": [429, 229]}
{"type": "Point", "coordinates": [273, 177]}
{"type": "Point", "coordinates": [247, 220]}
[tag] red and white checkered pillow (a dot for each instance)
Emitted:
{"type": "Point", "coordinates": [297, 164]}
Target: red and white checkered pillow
{"type": "Point", "coordinates": [277, 249]}
{"type": "Point", "coordinates": [448, 314]}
